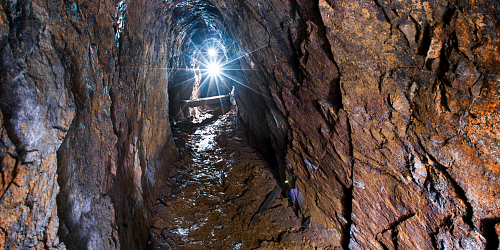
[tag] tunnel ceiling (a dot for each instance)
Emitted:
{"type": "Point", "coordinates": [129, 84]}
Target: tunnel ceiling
{"type": "Point", "coordinates": [383, 113]}
{"type": "Point", "coordinates": [194, 22]}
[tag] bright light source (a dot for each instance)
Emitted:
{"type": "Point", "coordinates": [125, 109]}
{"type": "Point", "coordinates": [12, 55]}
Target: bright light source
{"type": "Point", "coordinates": [213, 69]}
{"type": "Point", "coordinates": [212, 52]}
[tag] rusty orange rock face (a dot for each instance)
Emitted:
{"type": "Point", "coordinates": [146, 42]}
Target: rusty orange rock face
{"type": "Point", "coordinates": [405, 147]}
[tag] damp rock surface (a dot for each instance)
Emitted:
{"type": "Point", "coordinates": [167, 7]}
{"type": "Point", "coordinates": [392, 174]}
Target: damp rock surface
{"type": "Point", "coordinates": [220, 187]}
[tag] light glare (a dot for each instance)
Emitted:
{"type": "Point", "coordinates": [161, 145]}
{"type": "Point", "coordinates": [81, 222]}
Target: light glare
{"type": "Point", "coordinates": [212, 52]}
{"type": "Point", "coordinates": [214, 69]}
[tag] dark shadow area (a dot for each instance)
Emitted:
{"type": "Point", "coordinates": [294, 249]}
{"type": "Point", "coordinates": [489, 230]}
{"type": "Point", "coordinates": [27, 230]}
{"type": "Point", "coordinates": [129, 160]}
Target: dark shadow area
{"type": "Point", "coordinates": [489, 232]}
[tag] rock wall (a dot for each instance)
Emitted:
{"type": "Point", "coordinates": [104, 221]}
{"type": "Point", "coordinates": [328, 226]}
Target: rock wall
{"type": "Point", "coordinates": [37, 110]}
{"type": "Point", "coordinates": [392, 108]}
{"type": "Point", "coordinates": [85, 111]}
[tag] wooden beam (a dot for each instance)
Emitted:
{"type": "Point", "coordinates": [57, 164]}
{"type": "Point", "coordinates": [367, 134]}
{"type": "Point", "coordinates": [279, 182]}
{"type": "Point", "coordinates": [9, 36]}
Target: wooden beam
{"type": "Point", "coordinates": [212, 100]}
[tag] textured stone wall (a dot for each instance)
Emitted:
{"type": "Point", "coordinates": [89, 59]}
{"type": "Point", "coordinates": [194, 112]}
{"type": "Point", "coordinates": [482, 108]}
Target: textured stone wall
{"type": "Point", "coordinates": [392, 108]}
{"type": "Point", "coordinates": [37, 110]}
{"type": "Point", "coordinates": [85, 111]}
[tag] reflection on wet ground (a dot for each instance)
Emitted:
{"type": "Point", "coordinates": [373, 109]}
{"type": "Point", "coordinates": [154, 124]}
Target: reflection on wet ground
{"type": "Point", "coordinates": [204, 201]}
{"type": "Point", "coordinates": [221, 185]}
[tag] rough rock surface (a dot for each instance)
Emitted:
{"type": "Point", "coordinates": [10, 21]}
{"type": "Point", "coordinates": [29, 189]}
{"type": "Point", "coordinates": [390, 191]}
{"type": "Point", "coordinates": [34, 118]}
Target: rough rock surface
{"type": "Point", "coordinates": [74, 71]}
{"type": "Point", "coordinates": [393, 115]}
{"type": "Point", "coordinates": [37, 110]}
{"type": "Point", "coordinates": [385, 114]}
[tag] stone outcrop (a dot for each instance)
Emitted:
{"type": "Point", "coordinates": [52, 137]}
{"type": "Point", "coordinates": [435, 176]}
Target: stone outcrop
{"type": "Point", "coordinates": [385, 114]}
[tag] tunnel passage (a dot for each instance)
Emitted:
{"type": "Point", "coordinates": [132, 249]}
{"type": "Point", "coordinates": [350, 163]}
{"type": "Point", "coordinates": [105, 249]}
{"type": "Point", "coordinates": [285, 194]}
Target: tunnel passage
{"type": "Point", "coordinates": [384, 114]}
{"type": "Point", "coordinates": [199, 28]}
{"type": "Point", "coordinates": [221, 175]}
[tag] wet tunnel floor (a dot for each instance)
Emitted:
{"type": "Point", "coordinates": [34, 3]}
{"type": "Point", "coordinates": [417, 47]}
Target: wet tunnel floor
{"type": "Point", "coordinates": [219, 188]}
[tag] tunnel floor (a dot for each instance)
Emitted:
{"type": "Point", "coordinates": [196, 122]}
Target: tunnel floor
{"type": "Point", "coordinates": [221, 185]}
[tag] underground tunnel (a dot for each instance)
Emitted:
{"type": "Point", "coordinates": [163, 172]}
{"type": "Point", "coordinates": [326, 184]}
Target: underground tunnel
{"type": "Point", "coordinates": [228, 124]}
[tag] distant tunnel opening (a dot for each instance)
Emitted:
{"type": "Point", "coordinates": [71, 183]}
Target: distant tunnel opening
{"type": "Point", "coordinates": [209, 62]}
{"type": "Point", "coordinates": [208, 71]}
{"type": "Point", "coordinates": [201, 67]}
